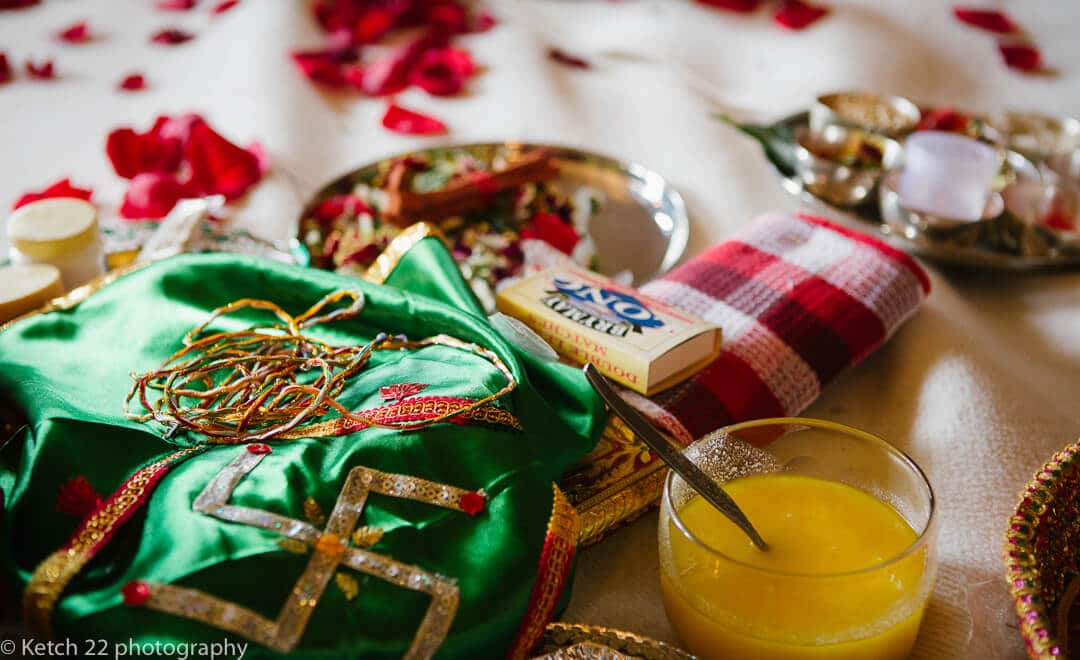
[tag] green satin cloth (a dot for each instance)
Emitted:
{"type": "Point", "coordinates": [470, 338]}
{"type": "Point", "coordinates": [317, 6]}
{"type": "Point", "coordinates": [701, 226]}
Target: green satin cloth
{"type": "Point", "coordinates": [67, 373]}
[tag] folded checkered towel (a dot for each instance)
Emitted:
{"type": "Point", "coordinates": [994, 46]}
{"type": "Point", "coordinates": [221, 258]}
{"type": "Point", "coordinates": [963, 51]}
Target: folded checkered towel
{"type": "Point", "coordinates": [799, 299]}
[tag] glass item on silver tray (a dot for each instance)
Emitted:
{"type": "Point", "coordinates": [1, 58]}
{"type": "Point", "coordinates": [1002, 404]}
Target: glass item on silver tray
{"type": "Point", "coordinates": [843, 165]}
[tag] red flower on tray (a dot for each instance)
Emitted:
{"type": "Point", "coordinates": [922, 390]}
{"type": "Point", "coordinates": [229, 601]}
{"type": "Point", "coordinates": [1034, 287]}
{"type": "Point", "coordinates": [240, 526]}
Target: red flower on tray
{"type": "Point", "coordinates": [61, 188]}
{"type": "Point", "coordinates": [553, 230]}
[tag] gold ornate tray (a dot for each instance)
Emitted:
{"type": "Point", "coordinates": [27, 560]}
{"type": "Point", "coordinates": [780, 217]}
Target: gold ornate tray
{"type": "Point", "coordinates": [1042, 557]}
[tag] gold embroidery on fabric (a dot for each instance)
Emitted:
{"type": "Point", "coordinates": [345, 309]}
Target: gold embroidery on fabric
{"type": "Point", "coordinates": [58, 569]}
{"type": "Point", "coordinates": [428, 408]}
{"type": "Point", "coordinates": [332, 551]}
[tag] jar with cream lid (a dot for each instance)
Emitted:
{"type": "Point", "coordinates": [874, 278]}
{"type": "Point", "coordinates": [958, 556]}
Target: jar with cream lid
{"type": "Point", "coordinates": [62, 232]}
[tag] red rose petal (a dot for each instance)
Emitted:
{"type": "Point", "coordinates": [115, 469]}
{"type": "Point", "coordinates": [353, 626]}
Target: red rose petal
{"type": "Point", "coordinates": [335, 15]}
{"type": "Point", "coordinates": [391, 73]}
{"type": "Point", "coordinates": [372, 25]}
{"type": "Point", "coordinates": [134, 153]}
{"type": "Point", "coordinates": [336, 206]}
{"type": "Point", "coordinates": [219, 167]}
{"type": "Point", "coordinates": [151, 196]}
{"type": "Point", "coordinates": [409, 122]}
{"type": "Point", "coordinates": [472, 502]}
{"type": "Point", "coordinates": [483, 22]}
{"type": "Point", "coordinates": [442, 71]}
{"type": "Point", "coordinates": [41, 70]}
{"type": "Point", "coordinates": [986, 19]}
{"type": "Point", "coordinates": [171, 37]}
{"type": "Point", "coordinates": [176, 5]}
{"type": "Point", "coordinates": [449, 17]}
{"type": "Point", "coordinates": [797, 15]}
{"type": "Point", "coordinates": [551, 229]}
{"type": "Point", "coordinates": [176, 128]}
{"type": "Point", "coordinates": [17, 4]}
{"type": "Point", "coordinates": [224, 6]}
{"type": "Point", "coordinates": [5, 69]}
{"type": "Point", "coordinates": [261, 156]}
{"type": "Point", "coordinates": [1022, 57]}
{"type": "Point", "coordinates": [132, 83]}
{"type": "Point", "coordinates": [61, 188]}
{"type": "Point", "coordinates": [76, 34]}
{"type": "Point", "coordinates": [325, 67]}
{"type": "Point", "coordinates": [562, 57]}
{"type": "Point", "coordinates": [743, 6]}
{"type": "Point", "coordinates": [135, 593]}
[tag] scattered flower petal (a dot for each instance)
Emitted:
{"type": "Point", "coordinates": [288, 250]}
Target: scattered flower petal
{"type": "Point", "coordinates": [372, 25]}
{"type": "Point", "coordinates": [224, 6]}
{"type": "Point", "coordinates": [76, 34]}
{"type": "Point", "coordinates": [5, 69]}
{"type": "Point", "coordinates": [326, 67]}
{"type": "Point", "coordinates": [61, 188]}
{"type": "Point", "coordinates": [443, 71]}
{"type": "Point", "coordinates": [448, 17]}
{"type": "Point", "coordinates": [797, 15]}
{"type": "Point", "coordinates": [391, 73]}
{"type": "Point", "coordinates": [1022, 57]}
{"type": "Point", "coordinates": [562, 57]}
{"type": "Point", "coordinates": [483, 22]}
{"type": "Point", "coordinates": [990, 20]}
{"type": "Point", "coordinates": [17, 4]}
{"type": "Point", "coordinates": [151, 196]}
{"type": "Point", "coordinates": [41, 70]}
{"type": "Point", "coordinates": [77, 498]}
{"type": "Point", "coordinates": [132, 83]}
{"type": "Point", "coordinates": [551, 229]}
{"type": "Point", "coordinates": [134, 153]}
{"type": "Point", "coordinates": [176, 5]}
{"type": "Point", "coordinates": [219, 167]}
{"type": "Point", "coordinates": [744, 6]}
{"type": "Point", "coordinates": [171, 37]}
{"type": "Point", "coordinates": [409, 122]}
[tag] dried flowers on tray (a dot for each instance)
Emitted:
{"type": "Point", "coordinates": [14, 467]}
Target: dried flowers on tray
{"type": "Point", "coordinates": [501, 211]}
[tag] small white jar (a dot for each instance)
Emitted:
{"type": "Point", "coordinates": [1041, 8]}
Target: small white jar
{"type": "Point", "coordinates": [25, 288]}
{"type": "Point", "coordinates": [62, 232]}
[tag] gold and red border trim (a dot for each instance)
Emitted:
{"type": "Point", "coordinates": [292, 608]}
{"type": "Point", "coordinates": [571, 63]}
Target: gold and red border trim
{"type": "Point", "coordinates": [52, 575]}
{"type": "Point", "coordinates": [556, 558]}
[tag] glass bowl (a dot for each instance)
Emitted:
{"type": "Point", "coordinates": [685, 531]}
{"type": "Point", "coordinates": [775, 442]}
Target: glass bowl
{"type": "Point", "coordinates": [851, 524]}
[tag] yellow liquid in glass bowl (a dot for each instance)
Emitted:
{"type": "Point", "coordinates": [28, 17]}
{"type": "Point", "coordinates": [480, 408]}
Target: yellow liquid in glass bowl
{"type": "Point", "coordinates": [815, 593]}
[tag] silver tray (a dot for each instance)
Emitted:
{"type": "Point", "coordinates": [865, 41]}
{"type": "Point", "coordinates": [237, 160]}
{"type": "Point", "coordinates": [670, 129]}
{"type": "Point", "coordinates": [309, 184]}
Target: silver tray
{"type": "Point", "coordinates": [642, 226]}
{"type": "Point", "coordinates": [868, 216]}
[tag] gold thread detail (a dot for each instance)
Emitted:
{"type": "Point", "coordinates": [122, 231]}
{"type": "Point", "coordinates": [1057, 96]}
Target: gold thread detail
{"type": "Point", "coordinates": [387, 261]}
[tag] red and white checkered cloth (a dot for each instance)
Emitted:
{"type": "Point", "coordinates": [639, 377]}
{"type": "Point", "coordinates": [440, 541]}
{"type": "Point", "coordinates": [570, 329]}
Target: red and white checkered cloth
{"type": "Point", "coordinates": [799, 299]}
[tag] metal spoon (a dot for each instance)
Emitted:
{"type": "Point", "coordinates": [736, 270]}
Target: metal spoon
{"type": "Point", "coordinates": [692, 474]}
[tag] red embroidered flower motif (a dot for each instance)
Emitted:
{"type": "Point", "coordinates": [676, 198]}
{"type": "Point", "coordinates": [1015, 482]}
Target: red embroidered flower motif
{"type": "Point", "coordinates": [151, 195]}
{"type": "Point", "coordinates": [409, 122]}
{"type": "Point", "coordinates": [797, 15]}
{"type": "Point", "coordinates": [133, 153]}
{"type": "Point", "coordinates": [1021, 56]}
{"type": "Point", "coordinates": [176, 5]}
{"type": "Point", "coordinates": [171, 37]}
{"type": "Point", "coordinates": [5, 69]}
{"type": "Point", "coordinates": [135, 593]}
{"type": "Point", "coordinates": [259, 448]}
{"type": "Point", "coordinates": [61, 188]}
{"type": "Point", "coordinates": [41, 70]}
{"type": "Point", "coordinates": [77, 498]}
{"type": "Point", "coordinates": [744, 6]}
{"type": "Point", "coordinates": [473, 502]}
{"type": "Point", "coordinates": [401, 391]}
{"type": "Point", "coordinates": [566, 59]}
{"type": "Point", "coordinates": [132, 83]}
{"type": "Point", "coordinates": [224, 6]}
{"type": "Point", "coordinates": [217, 165]}
{"type": "Point", "coordinates": [443, 71]}
{"type": "Point", "coordinates": [76, 34]}
{"type": "Point", "coordinates": [985, 19]}
{"type": "Point", "coordinates": [551, 229]}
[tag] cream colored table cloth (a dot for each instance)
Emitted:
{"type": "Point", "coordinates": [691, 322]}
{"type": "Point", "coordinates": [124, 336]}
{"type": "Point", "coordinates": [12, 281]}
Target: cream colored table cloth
{"type": "Point", "coordinates": [980, 388]}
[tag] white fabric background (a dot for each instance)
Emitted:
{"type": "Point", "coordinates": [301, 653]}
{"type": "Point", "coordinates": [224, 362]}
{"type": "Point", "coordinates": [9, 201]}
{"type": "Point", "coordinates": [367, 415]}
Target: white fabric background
{"type": "Point", "coordinates": [980, 388]}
